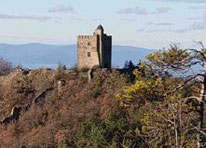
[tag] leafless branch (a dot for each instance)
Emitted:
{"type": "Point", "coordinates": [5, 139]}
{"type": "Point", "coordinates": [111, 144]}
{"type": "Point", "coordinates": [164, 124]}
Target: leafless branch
{"type": "Point", "coordinates": [180, 86]}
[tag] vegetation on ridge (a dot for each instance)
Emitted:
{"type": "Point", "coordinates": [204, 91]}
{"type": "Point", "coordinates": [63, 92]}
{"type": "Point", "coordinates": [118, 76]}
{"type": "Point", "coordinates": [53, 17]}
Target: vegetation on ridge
{"type": "Point", "coordinates": [143, 105]}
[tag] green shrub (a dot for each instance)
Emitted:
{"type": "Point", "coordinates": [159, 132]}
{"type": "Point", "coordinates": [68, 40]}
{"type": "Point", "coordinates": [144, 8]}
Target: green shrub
{"type": "Point", "coordinates": [66, 144]}
{"type": "Point", "coordinates": [114, 131]}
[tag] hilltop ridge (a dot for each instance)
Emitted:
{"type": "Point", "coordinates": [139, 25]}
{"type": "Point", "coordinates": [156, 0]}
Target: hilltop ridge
{"type": "Point", "coordinates": [65, 98]}
{"type": "Point", "coordinates": [34, 55]}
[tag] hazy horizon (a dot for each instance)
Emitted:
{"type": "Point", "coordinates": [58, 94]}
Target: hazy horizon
{"type": "Point", "coordinates": [43, 55]}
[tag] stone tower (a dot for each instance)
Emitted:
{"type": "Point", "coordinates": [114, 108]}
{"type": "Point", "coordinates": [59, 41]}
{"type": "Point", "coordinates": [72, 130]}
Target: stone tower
{"type": "Point", "coordinates": [94, 50]}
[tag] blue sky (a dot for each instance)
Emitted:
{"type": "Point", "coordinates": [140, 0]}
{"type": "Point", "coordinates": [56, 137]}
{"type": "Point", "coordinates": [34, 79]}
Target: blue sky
{"type": "Point", "coordinates": [142, 23]}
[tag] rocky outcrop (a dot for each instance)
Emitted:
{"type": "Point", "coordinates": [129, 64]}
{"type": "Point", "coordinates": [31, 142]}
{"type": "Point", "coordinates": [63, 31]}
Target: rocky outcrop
{"type": "Point", "coordinates": [42, 95]}
{"type": "Point", "coordinates": [90, 74]}
{"type": "Point", "coordinates": [14, 115]}
{"type": "Point", "coordinates": [16, 111]}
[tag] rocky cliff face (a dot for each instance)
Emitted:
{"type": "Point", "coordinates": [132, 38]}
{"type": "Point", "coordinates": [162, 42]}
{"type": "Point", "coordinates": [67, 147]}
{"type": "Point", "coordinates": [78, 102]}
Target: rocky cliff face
{"type": "Point", "coordinates": [37, 105]}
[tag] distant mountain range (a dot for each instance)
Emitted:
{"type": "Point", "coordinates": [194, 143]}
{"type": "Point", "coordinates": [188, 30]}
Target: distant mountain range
{"type": "Point", "coordinates": [36, 55]}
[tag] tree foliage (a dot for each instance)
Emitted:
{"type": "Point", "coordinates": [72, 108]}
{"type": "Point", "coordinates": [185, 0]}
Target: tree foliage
{"type": "Point", "coordinates": [158, 108]}
{"type": "Point", "coordinates": [168, 105]}
{"type": "Point", "coordinates": [115, 131]}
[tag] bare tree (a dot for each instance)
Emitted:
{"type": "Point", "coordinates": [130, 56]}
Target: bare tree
{"type": "Point", "coordinates": [5, 67]}
{"type": "Point", "coordinates": [181, 61]}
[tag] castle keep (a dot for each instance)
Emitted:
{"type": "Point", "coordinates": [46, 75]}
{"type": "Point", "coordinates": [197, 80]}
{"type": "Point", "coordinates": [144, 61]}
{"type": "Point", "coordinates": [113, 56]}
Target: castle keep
{"type": "Point", "coordinates": [94, 50]}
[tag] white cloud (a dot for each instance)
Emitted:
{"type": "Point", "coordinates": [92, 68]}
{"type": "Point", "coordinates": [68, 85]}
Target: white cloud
{"type": "Point", "coordinates": [199, 25]}
{"type": "Point", "coordinates": [141, 30]}
{"type": "Point", "coordinates": [161, 10]}
{"type": "Point", "coordinates": [195, 26]}
{"type": "Point", "coordinates": [136, 10]}
{"type": "Point", "coordinates": [163, 24]}
{"type": "Point", "coordinates": [142, 11]}
{"type": "Point", "coordinates": [25, 17]}
{"type": "Point", "coordinates": [159, 24]}
{"type": "Point", "coordinates": [128, 19]}
{"type": "Point", "coordinates": [149, 23]}
{"type": "Point", "coordinates": [200, 7]}
{"type": "Point", "coordinates": [62, 9]}
{"type": "Point", "coordinates": [196, 18]}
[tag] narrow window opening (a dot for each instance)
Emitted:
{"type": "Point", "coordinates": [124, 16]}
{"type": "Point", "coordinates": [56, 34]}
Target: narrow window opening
{"type": "Point", "coordinates": [89, 54]}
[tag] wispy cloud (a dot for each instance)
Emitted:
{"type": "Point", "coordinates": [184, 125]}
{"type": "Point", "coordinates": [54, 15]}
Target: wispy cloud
{"type": "Point", "coordinates": [159, 30]}
{"type": "Point", "coordinates": [25, 17]}
{"type": "Point", "coordinates": [62, 9]}
{"type": "Point", "coordinates": [150, 23]}
{"type": "Point", "coordinates": [142, 11]}
{"type": "Point", "coordinates": [159, 24]}
{"type": "Point", "coordinates": [161, 10]}
{"type": "Point", "coordinates": [128, 19]}
{"type": "Point", "coordinates": [81, 19]}
{"type": "Point", "coordinates": [194, 18]}
{"type": "Point", "coordinates": [195, 26]}
{"type": "Point", "coordinates": [200, 7]}
{"type": "Point", "coordinates": [33, 38]}
{"type": "Point", "coordinates": [135, 10]}
{"type": "Point", "coordinates": [141, 30]}
{"type": "Point", "coordinates": [163, 24]}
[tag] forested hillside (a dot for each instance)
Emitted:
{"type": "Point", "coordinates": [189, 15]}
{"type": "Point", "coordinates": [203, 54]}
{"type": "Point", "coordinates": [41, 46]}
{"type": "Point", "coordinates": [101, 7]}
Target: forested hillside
{"type": "Point", "coordinates": [141, 105]}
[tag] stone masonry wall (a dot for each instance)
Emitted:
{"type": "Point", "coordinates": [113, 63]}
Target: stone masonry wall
{"type": "Point", "coordinates": [94, 50]}
{"type": "Point", "coordinates": [88, 55]}
{"type": "Point", "coordinates": [107, 51]}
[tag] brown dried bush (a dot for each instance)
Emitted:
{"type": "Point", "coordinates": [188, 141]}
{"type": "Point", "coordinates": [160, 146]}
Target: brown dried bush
{"type": "Point", "coordinates": [5, 67]}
